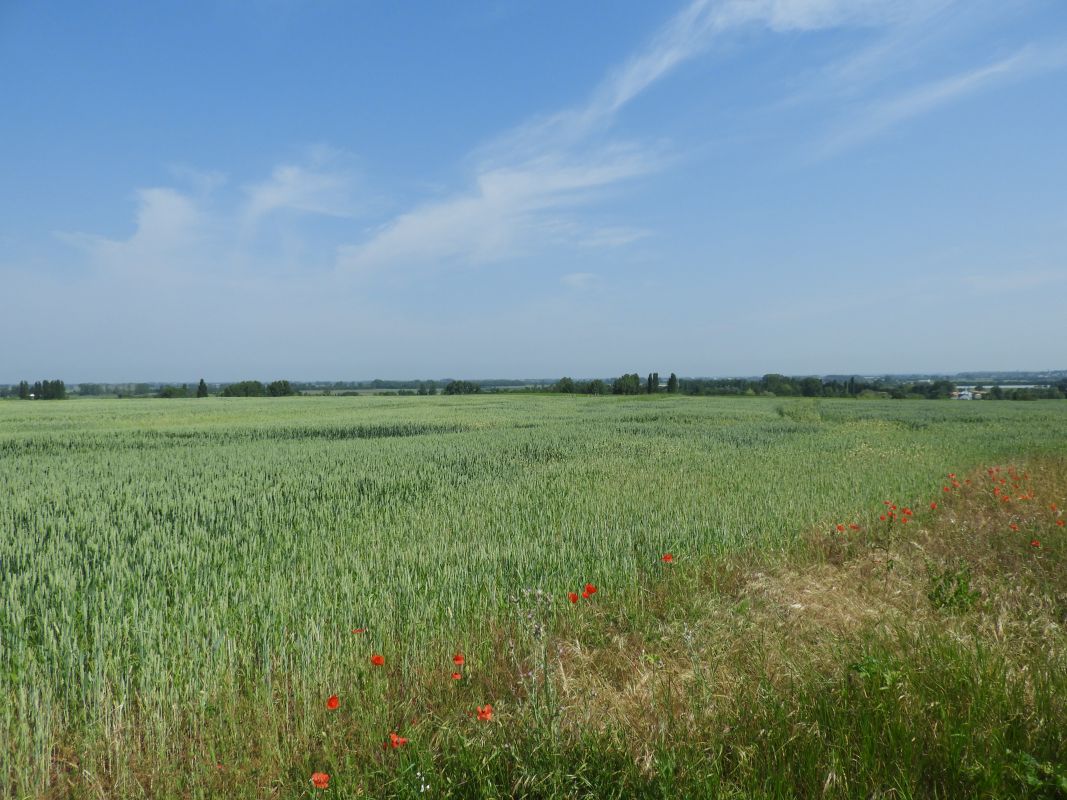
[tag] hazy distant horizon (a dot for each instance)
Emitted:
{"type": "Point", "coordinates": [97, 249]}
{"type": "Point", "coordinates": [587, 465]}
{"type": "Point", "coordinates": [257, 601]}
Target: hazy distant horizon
{"type": "Point", "coordinates": [724, 187]}
{"type": "Point", "coordinates": [545, 379]}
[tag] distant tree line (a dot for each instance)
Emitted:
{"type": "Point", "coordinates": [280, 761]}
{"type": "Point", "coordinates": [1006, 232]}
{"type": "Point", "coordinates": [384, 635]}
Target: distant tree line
{"type": "Point", "coordinates": [462, 387]}
{"type": "Point", "coordinates": [1057, 392]}
{"type": "Point", "coordinates": [181, 390]}
{"type": "Point", "coordinates": [426, 388]}
{"type": "Point", "coordinates": [783, 386]}
{"type": "Point", "coordinates": [407, 388]}
{"type": "Point", "coordinates": [630, 383]}
{"type": "Point", "coordinates": [258, 389]}
{"type": "Point", "coordinates": [772, 384]}
{"type": "Point", "coordinates": [39, 390]}
{"type": "Point", "coordinates": [571, 386]}
{"type": "Point", "coordinates": [119, 389]}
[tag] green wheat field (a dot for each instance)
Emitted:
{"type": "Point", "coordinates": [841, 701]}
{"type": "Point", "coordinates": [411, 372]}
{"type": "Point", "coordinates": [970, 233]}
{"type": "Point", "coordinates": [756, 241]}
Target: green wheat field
{"type": "Point", "coordinates": [181, 582]}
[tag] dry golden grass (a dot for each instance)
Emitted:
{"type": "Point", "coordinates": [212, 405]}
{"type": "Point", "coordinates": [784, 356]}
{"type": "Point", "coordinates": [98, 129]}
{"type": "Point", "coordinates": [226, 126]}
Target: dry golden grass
{"type": "Point", "coordinates": [709, 633]}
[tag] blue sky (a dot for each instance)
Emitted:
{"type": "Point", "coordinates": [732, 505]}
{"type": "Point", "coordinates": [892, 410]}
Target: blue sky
{"type": "Point", "coordinates": [325, 189]}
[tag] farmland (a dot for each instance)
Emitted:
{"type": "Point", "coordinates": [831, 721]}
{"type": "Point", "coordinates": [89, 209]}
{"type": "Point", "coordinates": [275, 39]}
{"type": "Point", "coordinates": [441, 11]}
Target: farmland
{"type": "Point", "coordinates": [181, 579]}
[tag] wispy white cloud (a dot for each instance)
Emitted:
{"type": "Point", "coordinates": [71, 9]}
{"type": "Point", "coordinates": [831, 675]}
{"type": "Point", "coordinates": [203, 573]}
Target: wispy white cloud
{"type": "Point", "coordinates": [292, 187]}
{"type": "Point", "coordinates": [905, 40]}
{"type": "Point", "coordinates": [501, 216]}
{"type": "Point", "coordinates": [528, 189]}
{"type": "Point", "coordinates": [549, 163]}
{"type": "Point", "coordinates": [169, 223]}
{"type": "Point", "coordinates": [883, 114]}
{"type": "Point", "coordinates": [810, 15]}
{"type": "Point", "coordinates": [202, 229]}
{"type": "Point", "coordinates": [202, 181]}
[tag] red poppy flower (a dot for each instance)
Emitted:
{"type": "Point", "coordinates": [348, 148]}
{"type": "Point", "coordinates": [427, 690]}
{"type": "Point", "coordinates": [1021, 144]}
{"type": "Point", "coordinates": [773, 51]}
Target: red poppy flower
{"type": "Point", "coordinates": [1014, 527]}
{"type": "Point", "coordinates": [840, 527]}
{"type": "Point", "coordinates": [332, 702]}
{"type": "Point", "coordinates": [952, 474]}
{"type": "Point", "coordinates": [572, 596]}
{"type": "Point", "coordinates": [854, 526]}
{"type": "Point", "coordinates": [377, 660]}
{"type": "Point", "coordinates": [945, 489]}
{"type": "Point", "coordinates": [485, 713]}
{"type": "Point", "coordinates": [590, 588]}
{"type": "Point", "coordinates": [1052, 507]}
{"type": "Point", "coordinates": [396, 740]}
{"type": "Point", "coordinates": [1059, 522]}
{"type": "Point", "coordinates": [882, 517]}
{"type": "Point", "coordinates": [320, 780]}
{"type": "Point", "coordinates": [893, 507]}
{"type": "Point", "coordinates": [458, 659]}
{"type": "Point", "coordinates": [359, 630]}
{"type": "Point", "coordinates": [667, 558]}
{"type": "Point", "coordinates": [586, 595]}
{"type": "Point", "coordinates": [905, 520]}
{"type": "Point", "coordinates": [1035, 543]}
{"type": "Point", "coordinates": [457, 676]}
{"type": "Point", "coordinates": [933, 506]}
{"type": "Point", "coordinates": [907, 512]}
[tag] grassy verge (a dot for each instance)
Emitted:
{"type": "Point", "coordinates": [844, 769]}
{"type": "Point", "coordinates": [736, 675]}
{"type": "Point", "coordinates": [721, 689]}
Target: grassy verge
{"type": "Point", "coordinates": [925, 658]}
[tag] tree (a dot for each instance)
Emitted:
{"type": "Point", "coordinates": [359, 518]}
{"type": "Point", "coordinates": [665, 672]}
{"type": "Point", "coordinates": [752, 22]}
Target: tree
{"type": "Point", "coordinates": [244, 389]}
{"type": "Point", "coordinates": [280, 389]}
{"type": "Point", "coordinates": [201, 389]}
{"type": "Point", "coordinates": [596, 386]}
{"type": "Point", "coordinates": [672, 384]}
{"type": "Point", "coordinates": [629, 383]}
{"type": "Point", "coordinates": [462, 387]}
{"type": "Point", "coordinates": [170, 392]}
{"type": "Point", "coordinates": [43, 390]}
{"type": "Point", "coordinates": [565, 386]}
